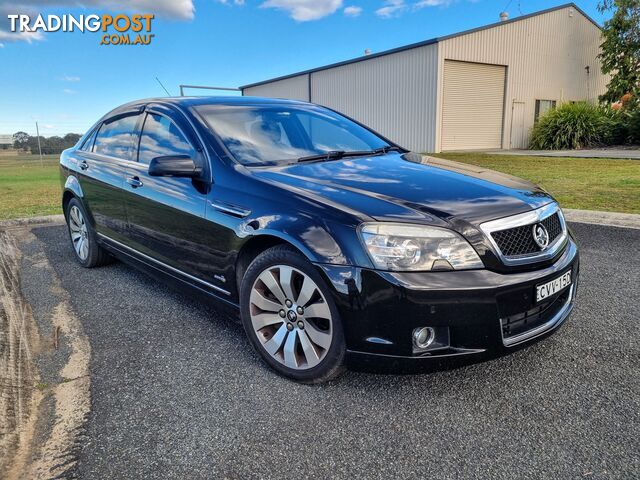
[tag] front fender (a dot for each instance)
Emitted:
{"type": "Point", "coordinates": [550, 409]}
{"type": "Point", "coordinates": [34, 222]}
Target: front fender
{"type": "Point", "coordinates": [321, 241]}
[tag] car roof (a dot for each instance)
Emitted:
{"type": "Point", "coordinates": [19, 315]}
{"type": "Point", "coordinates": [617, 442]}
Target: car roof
{"type": "Point", "coordinates": [195, 101]}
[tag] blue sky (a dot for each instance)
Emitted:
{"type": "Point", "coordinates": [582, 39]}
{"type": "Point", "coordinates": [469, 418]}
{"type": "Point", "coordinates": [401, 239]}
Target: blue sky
{"type": "Point", "coordinates": [67, 80]}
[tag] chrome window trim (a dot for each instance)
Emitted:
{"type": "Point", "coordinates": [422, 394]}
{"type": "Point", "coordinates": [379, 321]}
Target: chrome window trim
{"type": "Point", "coordinates": [554, 322]}
{"type": "Point", "coordinates": [522, 219]}
{"type": "Point", "coordinates": [157, 262]}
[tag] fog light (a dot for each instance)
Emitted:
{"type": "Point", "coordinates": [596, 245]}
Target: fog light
{"type": "Point", "coordinates": [423, 337]}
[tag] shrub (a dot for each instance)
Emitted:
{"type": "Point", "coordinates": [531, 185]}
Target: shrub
{"type": "Point", "coordinates": [574, 125]}
{"type": "Point", "coordinates": [615, 126]}
{"type": "Point", "coordinates": [633, 126]}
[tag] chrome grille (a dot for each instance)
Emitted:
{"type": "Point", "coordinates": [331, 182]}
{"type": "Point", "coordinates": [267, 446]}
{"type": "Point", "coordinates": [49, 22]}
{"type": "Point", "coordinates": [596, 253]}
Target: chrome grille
{"type": "Point", "coordinates": [512, 237]}
{"type": "Point", "coordinates": [519, 240]}
{"type": "Point", "coordinates": [553, 226]}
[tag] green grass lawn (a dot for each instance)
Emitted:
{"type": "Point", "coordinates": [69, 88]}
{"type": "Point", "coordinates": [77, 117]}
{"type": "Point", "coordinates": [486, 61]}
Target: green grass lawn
{"type": "Point", "coordinates": [27, 188]}
{"type": "Point", "coordinates": [584, 183]}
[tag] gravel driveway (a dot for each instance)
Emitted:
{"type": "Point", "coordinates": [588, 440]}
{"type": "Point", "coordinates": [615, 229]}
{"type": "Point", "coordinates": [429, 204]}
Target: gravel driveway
{"type": "Point", "coordinates": [178, 393]}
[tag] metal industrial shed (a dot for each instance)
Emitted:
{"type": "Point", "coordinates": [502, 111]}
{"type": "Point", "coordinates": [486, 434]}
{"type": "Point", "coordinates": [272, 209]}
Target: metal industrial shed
{"type": "Point", "coordinates": [474, 90]}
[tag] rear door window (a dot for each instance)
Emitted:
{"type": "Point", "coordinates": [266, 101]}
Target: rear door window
{"type": "Point", "coordinates": [160, 138]}
{"type": "Point", "coordinates": [118, 138]}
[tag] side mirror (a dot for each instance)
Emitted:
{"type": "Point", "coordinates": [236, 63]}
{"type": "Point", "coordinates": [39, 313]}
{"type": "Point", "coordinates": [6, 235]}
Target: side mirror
{"type": "Point", "coordinates": [174, 166]}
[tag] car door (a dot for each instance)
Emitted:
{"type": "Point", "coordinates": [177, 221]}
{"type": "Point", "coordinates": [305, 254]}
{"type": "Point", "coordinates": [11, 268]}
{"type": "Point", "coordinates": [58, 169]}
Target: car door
{"type": "Point", "coordinates": [166, 215]}
{"type": "Point", "coordinates": [101, 163]}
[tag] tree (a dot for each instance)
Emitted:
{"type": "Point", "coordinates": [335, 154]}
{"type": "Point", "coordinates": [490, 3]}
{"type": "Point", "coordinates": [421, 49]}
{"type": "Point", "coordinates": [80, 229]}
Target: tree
{"type": "Point", "coordinates": [53, 144]}
{"type": "Point", "coordinates": [620, 50]}
{"type": "Point", "coordinates": [20, 140]}
{"type": "Point", "coordinates": [32, 144]}
{"type": "Point", "coordinates": [70, 139]}
{"type": "Point", "coordinates": [50, 145]}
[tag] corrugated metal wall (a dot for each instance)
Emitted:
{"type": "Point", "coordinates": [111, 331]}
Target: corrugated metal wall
{"type": "Point", "coordinates": [546, 57]}
{"type": "Point", "coordinates": [393, 94]}
{"type": "Point", "coordinates": [295, 88]}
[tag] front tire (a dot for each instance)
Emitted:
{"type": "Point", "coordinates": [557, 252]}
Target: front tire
{"type": "Point", "coordinates": [83, 237]}
{"type": "Point", "coordinates": [290, 318]}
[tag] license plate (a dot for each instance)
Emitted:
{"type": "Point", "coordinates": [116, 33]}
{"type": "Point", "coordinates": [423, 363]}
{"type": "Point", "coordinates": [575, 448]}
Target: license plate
{"type": "Point", "coordinates": [546, 290]}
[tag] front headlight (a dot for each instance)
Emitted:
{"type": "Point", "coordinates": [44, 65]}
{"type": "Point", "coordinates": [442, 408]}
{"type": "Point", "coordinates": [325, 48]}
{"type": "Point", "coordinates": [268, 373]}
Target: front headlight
{"type": "Point", "coordinates": [402, 247]}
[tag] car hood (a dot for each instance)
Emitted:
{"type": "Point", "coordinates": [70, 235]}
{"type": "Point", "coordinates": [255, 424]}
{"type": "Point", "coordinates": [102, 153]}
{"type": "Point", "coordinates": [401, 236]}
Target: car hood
{"type": "Point", "coordinates": [410, 188]}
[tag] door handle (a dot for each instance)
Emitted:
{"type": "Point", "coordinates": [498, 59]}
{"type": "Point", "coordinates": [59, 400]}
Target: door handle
{"type": "Point", "coordinates": [84, 165]}
{"type": "Point", "coordinates": [134, 182]}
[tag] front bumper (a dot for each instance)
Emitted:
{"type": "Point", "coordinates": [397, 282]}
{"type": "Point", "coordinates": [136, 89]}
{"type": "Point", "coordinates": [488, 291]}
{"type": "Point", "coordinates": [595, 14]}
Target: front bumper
{"type": "Point", "coordinates": [477, 314]}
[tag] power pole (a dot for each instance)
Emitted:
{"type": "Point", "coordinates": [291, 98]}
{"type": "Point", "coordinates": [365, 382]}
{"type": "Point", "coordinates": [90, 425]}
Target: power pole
{"type": "Point", "coordinates": [39, 147]}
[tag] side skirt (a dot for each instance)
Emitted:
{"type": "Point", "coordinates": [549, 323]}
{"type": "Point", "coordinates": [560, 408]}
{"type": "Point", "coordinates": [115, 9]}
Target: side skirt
{"type": "Point", "coordinates": [165, 272]}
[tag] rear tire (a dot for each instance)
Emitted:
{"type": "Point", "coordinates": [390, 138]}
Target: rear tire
{"type": "Point", "coordinates": [83, 237]}
{"type": "Point", "coordinates": [290, 317]}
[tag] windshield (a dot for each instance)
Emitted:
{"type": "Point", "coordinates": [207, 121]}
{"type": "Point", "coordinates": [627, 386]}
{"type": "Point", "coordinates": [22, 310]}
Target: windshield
{"type": "Point", "coordinates": [269, 134]}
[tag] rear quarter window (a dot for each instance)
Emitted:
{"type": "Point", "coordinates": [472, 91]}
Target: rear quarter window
{"type": "Point", "coordinates": [87, 146]}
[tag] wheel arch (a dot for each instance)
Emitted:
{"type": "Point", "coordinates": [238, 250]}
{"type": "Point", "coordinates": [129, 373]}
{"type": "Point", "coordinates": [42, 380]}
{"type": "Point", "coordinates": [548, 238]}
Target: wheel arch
{"type": "Point", "coordinates": [258, 244]}
{"type": "Point", "coordinates": [72, 189]}
{"type": "Point", "coordinates": [319, 240]}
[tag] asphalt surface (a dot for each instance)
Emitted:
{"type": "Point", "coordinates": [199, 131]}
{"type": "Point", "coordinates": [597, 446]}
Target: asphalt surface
{"type": "Point", "coordinates": [178, 393]}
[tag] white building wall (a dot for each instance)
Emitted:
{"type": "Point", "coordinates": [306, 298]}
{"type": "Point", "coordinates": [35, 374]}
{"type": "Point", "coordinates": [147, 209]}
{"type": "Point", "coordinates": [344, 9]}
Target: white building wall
{"type": "Point", "coordinates": [545, 57]}
{"type": "Point", "coordinates": [295, 88]}
{"type": "Point", "coordinates": [393, 94]}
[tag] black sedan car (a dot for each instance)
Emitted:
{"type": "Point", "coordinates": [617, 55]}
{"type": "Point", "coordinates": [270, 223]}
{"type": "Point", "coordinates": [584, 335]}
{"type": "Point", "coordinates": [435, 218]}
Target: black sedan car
{"type": "Point", "coordinates": [337, 246]}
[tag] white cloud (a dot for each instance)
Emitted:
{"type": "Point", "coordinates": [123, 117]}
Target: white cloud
{"type": "Point", "coordinates": [29, 37]}
{"type": "Point", "coordinates": [395, 8]}
{"type": "Point", "coordinates": [229, 2]}
{"type": "Point", "coordinates": [69, 91]}
{"type": "Point", "coordinates": [392, 8]}
{"type": "Point", "coordinates": [352, 11]}
{"type": "Point", "coordinates": [431, 3]}
{"type": "Point", "coordinates": [305, 10]}
{"type": "Point", "coordinates": [70, 78]}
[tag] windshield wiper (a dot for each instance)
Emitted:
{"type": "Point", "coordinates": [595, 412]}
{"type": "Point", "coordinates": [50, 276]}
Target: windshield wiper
{"type": "Point", "coordinates": [332, 155]}
{"type": "Point", "coordinates": [338, 154]}
{"type": "Point", "coordinates": [375, 151]}
{"type": "Point", "coordinates": [387, 149]}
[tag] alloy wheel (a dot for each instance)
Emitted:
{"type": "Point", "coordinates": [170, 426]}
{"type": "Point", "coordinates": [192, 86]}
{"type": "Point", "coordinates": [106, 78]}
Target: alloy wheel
{"type": "Point", "coordinates": [79, 233]}
{"type": "Point", "coordinates": [291, 317]}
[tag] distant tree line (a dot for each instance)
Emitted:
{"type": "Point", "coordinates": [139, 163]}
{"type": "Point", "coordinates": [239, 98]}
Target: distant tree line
{"type": "Point", "coordinates": [50, 145]}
